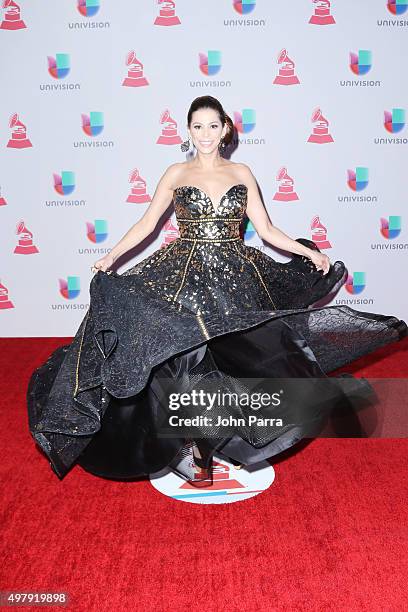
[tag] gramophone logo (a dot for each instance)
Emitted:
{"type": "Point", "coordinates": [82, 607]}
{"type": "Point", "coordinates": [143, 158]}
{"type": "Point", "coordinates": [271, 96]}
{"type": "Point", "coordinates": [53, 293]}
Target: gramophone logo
{"type": "Point", "coordinates": [2, 200]}
{"type": "Point", "coordinates": [394, 121]}
{"type": "Point", "coordinates": [169, 135]}
{"type": "Point", "coordinates": [243, 7]}
{"type": "Point", "coordinates": [59, 66]}
{"type": "Point", "coordinates": [244, 121]}
{"type": "Point", "coordinates": [12, 18]}
{"type": "Point", "coordinates": [64, 183]}
{"type": "Point", "coordinates": [69, 288]}
{"type": "Point", "coordinates": [286, 191]}
{"type": "Point", "coordinates": [25, 245]}
{"type": "Point", "coordinates": [322, 13]}
{"type": "Point", "coordinates": [390, 228]}
{"type": "Point", "coordinates": [397, 7]}
{"type": "Point", "coordinates": [167, 13]}
{"type": "Point", "coordinates": [319, 233]}
{"type": "Point", "coordinates": [92, 124]}
{"type": "Point", "coordinates": [357, 179]}
{"type": "Point", "coordinates": [97, 231]}
{"type": "Point", "coordinates": [138, 194]}
{"type": "Point", "coordinates": [227, 485]}
{"type": "Point", "coordinates": [135, 76]}
{"type": "Point", "coordinates": [88, 8]}
{"type": "Point", "coordinates": [18, 138]}
{"type": "Point", "coordinates": [286, 75]}
{"type": "Point", "coordinates": [170, 232]}
{"type": "Point", "coordinates": [361, 62]}
{"type": "Point", "coordinates": [320, 134]}
{"type": "Point", "coordinates": [5, 302]}
{"type": "Point", "coordinates": [210, 63]}
{"type": "Point", "coordinates": [355, 283]}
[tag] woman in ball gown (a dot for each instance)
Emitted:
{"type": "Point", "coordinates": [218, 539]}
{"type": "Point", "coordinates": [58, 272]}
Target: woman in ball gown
{"type": "Point", "coordinates": [206, 314]}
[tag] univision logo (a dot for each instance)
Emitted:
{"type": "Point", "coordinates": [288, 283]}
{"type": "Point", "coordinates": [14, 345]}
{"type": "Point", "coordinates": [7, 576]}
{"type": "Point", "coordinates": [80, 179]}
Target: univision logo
{"type": "Point", "coordinates": [244, 123]}
{"type": "Point", "coordinates": [69, 289]}
{"type": "Point", "coordinates": [92, 126]}
{"type": "Point", "coordinates": [394, 122]}
{"type": "Point", "coordinates": [360, 63]}
{"type": "Point", "coordinates": [210, 64]}
{"type": "Point", "coordinates": [88, 9]}
{"type": "Point", "coordinates": [64, 183]}
{"type": "Point", "coordinates": [243, 8]}
{"type": "Point", "coordinates": [390, 228]}
{"type": "Point", "coordinates": [59, 67]}
{"type": "Point", "coordinates": [96, 232]}
{"type": "Point", "coordinates": [397, 7]}
{"type": "Point", "coordinates": [358, 178]}
{"type": "Point", "coordinates": [355, 283]}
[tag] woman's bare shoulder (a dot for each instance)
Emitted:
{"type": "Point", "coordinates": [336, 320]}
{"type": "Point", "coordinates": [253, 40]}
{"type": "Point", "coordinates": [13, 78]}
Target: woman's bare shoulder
{"type": "Point", "coordinates": [173, 172]}
{"type": "Point", "coordinates": [242, 170]}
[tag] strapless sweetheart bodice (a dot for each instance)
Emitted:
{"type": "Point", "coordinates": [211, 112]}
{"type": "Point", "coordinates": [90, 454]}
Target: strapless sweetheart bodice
{"type": "Point", "coordinates": [200, 221]}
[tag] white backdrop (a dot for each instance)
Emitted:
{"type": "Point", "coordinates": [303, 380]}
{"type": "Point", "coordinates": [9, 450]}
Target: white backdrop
{"type": "Point", "coordinates": [62, 61]}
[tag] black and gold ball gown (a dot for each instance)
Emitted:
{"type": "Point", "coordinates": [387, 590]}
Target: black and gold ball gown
{"type": "Point", "coordinates": [202, 311]}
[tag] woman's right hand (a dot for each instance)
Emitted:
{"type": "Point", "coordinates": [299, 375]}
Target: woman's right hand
{"type": "Point", "coordinates": [103, 264]}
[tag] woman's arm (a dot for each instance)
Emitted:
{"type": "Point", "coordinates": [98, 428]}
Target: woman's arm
{"type": "Point", "coordinates": [158, 205]}
{"type": "Point", "coordinates": [267, 231]}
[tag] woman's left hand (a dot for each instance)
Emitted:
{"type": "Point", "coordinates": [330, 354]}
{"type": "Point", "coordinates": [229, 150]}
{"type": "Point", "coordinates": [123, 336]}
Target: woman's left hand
{"type": "Point", "coordinates": [321, 261]}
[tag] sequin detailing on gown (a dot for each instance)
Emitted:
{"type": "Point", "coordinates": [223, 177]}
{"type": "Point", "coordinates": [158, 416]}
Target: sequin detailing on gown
{"type": "Point", "coordinates": [209, 268]}
{"type": "Point", "coordinates": [204, 307]}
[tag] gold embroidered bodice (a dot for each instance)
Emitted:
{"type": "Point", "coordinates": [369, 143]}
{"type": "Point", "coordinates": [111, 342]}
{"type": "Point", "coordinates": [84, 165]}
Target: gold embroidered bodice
{"type": "Point", "coordinates": [209, 269]}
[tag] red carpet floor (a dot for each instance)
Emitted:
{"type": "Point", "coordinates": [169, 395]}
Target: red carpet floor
{"type": "Point", "coordinates": [330, 534]}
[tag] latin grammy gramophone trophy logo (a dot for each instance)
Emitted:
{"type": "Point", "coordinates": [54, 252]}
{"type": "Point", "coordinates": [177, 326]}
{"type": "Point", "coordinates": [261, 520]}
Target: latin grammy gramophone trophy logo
{"type": "Point", "coordinates": [138, 193]}
{"type": "Point", "coordinates": [2, 200]}
{"type": "Point", "coordinates": [170, 232]}
{"type": "Point", "coordinates": [286, 75]}
{"type": "Point", "coordinates": [169, 135]}
{"type": "Point", "coordinates": [5, 302]}
{"type": "Point", "coordinates": [322, 13]}
{"type": "Point", "coordinates": [12, 18]}
{"type": "Point", "coordinates": [18, 138]}
{"type": "Point", "coordinates": [286, 192]}
{"type": "Point", "coordinates": [25, 244]}
{"type": "Point", "coordinates": [320, 134]}
{"type": "Point", "coordinates": [135, 76]}
{"type": "Point", "coordinates": [167, 14]}
{"type": "Point", "coordinates": [319, 233]}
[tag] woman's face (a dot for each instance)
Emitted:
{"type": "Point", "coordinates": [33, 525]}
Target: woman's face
{"type": "Point", "coordinates": [206, 130]}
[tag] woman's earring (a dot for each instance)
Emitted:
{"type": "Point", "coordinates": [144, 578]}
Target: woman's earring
{"type": "Point", "coordinates": [221, 144]}
{"type": "Point", "coordinates": [185, 145]}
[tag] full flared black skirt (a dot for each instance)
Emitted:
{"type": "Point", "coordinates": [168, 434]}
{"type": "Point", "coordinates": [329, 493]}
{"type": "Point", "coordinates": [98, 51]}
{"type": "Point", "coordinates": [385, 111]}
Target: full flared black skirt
{"type": "Point", "coordinates": [103, 400]}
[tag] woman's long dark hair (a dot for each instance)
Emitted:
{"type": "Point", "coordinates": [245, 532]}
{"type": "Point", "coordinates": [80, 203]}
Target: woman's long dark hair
{"type": "Point", "coordinates": [210, 102]}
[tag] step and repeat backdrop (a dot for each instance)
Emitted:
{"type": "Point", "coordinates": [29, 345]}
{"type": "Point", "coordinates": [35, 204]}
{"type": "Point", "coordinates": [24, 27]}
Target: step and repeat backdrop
{"type": "Point", "coordinates": [94, 101]}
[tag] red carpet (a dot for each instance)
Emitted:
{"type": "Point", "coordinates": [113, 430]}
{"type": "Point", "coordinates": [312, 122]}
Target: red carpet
{"type": "Point", "coordinates": [330, 534]}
